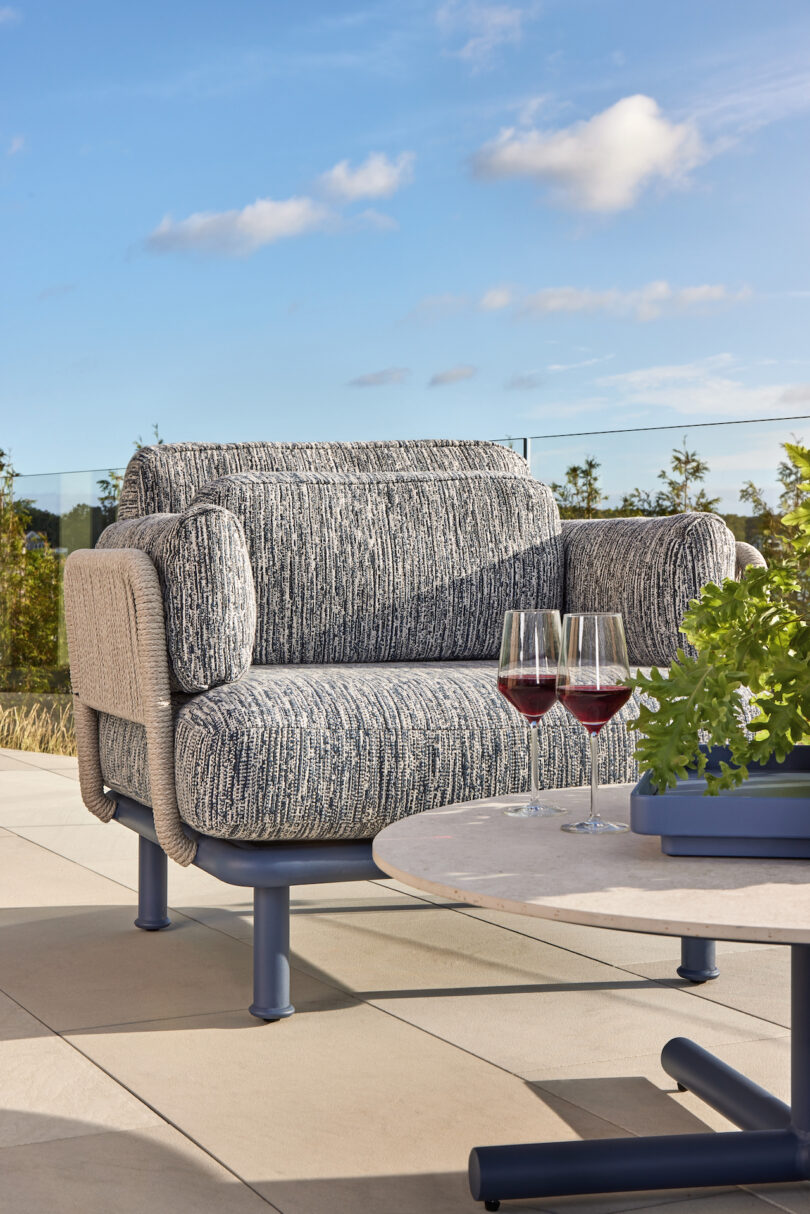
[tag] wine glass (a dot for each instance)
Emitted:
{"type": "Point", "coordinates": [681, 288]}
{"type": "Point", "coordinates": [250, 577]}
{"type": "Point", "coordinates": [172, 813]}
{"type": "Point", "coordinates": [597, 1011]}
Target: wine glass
{"type": "Point", "coordinates": [593, 682]}
{"type": "Point", "coordinates": [527, 678]}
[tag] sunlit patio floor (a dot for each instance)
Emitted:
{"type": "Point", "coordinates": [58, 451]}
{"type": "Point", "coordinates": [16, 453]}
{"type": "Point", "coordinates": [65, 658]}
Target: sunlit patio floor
{"type": "Point", "coordinates": [133, 1078]}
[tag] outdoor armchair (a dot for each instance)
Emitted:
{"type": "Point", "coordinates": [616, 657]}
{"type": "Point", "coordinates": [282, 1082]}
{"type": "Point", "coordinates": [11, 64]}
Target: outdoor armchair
{"type": "Point", "coordinates": [281, 648]}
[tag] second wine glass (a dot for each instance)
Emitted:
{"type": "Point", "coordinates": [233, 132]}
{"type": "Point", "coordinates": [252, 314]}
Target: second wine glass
{"type": "Point", "coordinates": [593, 683]}
{"type": "Point", "coordinates": [527, 678]}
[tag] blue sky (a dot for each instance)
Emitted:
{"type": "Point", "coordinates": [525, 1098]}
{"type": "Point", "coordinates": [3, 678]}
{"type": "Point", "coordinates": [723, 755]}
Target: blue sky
{"type": "Point", "coordinates": [303, 221]}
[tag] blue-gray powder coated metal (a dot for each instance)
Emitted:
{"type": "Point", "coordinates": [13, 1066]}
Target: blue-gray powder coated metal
{"type": "Point", "coordinates": [768, 816]}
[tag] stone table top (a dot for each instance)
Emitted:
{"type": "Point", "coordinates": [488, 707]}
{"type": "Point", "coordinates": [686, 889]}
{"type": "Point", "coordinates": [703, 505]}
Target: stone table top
{"type": "Point", "coordinates": [474, 853]}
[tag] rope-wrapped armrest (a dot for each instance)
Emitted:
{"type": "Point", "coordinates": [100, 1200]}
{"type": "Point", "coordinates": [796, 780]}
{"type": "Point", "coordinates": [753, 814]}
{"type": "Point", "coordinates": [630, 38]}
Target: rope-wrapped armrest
{"type": "Point", "coordinates": [649, 569]}
{"type": "Point", "coordinates": [118, 665]}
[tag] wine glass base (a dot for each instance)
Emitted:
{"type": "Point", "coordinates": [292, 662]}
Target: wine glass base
{"type": "Point", "coordinates": [533, 811]}
{"type": "Point", "coordinates": [595, 826]}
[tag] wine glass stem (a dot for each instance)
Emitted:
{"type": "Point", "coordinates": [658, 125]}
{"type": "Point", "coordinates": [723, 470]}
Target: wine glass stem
{"type": "Point", "coordinates": [535, 790]}
{"type": "Point", "coordinates": [594, 777]}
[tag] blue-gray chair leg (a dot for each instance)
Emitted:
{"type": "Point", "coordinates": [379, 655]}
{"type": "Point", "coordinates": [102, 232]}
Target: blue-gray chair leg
{"type": "Point", "coordinates": [697, 960]}
{"type": "Point", "coordinates": [152, 887]}
{"type": "Point", "coordinates": [271, 953]}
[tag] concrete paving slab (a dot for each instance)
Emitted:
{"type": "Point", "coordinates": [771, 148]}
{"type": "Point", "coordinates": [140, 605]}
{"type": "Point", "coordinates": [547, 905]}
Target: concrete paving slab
{"type": "Point", "coordinates": [49, 1090]}
{"type": "Point", "coordinates": [128, 1173]}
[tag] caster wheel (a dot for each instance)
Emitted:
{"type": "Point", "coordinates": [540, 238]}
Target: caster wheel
{"type": "Point", "coordinates": [492, 1205]}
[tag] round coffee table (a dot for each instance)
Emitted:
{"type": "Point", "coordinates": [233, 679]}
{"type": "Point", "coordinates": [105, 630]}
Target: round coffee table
{"type": "Point", "coordinates": [474, 853]}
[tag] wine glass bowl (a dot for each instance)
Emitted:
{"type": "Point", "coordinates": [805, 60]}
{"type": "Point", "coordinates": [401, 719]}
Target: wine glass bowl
{"type": "Point", "coordinates": [593, 683]}
{"type": "Point", "coordinates": [527, 679]}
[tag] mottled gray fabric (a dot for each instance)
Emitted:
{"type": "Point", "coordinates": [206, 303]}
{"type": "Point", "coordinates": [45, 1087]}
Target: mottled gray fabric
{"type": "Point", "coordinates": [163, 479]}
{"type": "Point", "coordinates": [208, 597]}
{"type": "Point", "coordinates": [747, 556]}
{"type": "Point", "coordinates": [338, 752]}
{"type": "Point", "coordinates": [649, 569]}
{"type": "Point", "coordinates": [392, 566]}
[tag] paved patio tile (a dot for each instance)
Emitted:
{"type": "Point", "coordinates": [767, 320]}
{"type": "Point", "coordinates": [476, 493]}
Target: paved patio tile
{"type": "Point", "coordinates": [9, 762]}
{"type": "Point", "coordinates": [31, 797]}
{"type": "Point", "coordinates": [49, 1090]}
{"type": "Point", "coordinates": [643, 1099]}
{"type": "Point", "coordinates": [121, 1173]}
{"type": "Point", "coordinates": [504, 996]}
{"type": "Point", "coordinates": [759, 985]}
{"type": "Point", "coordinates": [34, 758]}
{"type": "Point", "coordinates": [70, 954]}
{"type": "Point", "coordinates": [366, 1112]}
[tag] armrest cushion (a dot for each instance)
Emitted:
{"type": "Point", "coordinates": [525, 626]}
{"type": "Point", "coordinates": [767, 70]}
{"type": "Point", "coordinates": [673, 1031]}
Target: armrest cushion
{"type": "Point", "coordinates": [649, 569]}
{"type": "Point", "coordinates": [208, 596]}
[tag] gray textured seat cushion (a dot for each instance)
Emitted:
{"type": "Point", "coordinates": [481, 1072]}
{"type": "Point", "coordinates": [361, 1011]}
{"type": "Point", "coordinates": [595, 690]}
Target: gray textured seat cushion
{"type": "Point", "coordinates": [163, 479]}
{"type": "Point", "coordinates": [649, 569]}
{"type": "Point", "coordinates": [338, 752]}
{"type": "Point", "coordinates": [392, 566]}
{"type": "Point", "coordinates": [208, 597]}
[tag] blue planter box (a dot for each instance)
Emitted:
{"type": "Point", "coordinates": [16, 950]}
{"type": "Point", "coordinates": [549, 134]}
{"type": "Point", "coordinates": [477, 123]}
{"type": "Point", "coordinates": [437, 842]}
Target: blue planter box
{"type": "Point", "coordinates": [768, 816]}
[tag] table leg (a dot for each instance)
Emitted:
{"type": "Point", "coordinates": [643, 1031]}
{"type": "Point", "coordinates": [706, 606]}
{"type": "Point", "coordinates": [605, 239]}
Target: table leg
{"type": "Point", "coordinates": [698, 962]}
{"type": "Point", "coordinates": [776, 1151]}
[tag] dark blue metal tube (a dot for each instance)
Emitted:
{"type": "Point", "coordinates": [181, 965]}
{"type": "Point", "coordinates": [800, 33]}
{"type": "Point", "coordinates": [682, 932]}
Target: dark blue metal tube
{"type": "Point", "coordinates": [745, 1103]}
{"type": "Point", "coordinates": [265, 864]}
{"type": "Point", "coordinates": [152, 887]}
{"type": "Point", "coordinates": [698, 960]}
{"type": "Point", "coordinates": [616, 1165]}
{"type": "Point", "coordinates": [271, 953]}
{"type": "Point", "coordinates": [800, 1037]}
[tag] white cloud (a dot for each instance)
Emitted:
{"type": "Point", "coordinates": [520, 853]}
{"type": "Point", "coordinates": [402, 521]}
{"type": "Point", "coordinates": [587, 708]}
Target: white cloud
{"type": "Point", "coordinates": [9, 15]}
{"type": "Point", "coordinates": [377, 219]}
{"type": "Point", "coordinates": [16, 145]}
{"type": "Point", "coordinates": [796, 394]}
{"type": "Point", "coordinates": [453, 375]}
{"type": "Point", "coordinates": [496, 298]}
{"type": "Point", "coordinates": [644, 303]}
{"type": "Point", "coordinates": [586, 362]}
{"type": "Point", "coordinates": [601, 164]}
{"type": "Point", "coordinates": [376, 177]}
{"type": "Point", "coordinates": [377, 379]}
{"type": "Point", "coordinates": [524, 382]}
{"type": "Point", "coordinates": [486, 27]}
{"type": "Point", "coordinates": [699, 388]}
{"type": "Point", "coordinates": [239, 232]}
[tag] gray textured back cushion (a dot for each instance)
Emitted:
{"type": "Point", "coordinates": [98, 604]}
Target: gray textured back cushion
{"type": "Point", "coordinates": [375, 567]}
{"type": "Point", "coordinates": [163, 479]}
{"type": "Point", "coordinates": [649, 569]}
{"type": "Point", "coordinates": [208, 596]}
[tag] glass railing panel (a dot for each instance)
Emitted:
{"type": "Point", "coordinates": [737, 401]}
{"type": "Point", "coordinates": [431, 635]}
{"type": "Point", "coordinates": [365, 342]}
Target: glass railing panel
{"type": "Point", "coordinates": [52, 515]}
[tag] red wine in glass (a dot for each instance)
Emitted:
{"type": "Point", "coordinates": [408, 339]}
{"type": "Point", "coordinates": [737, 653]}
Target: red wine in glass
{"type": "Point", "coordinates": [594, 706]}
{"type": "Point", "coordinates": [533, 696]}
{"type": "Point", "coordinates": [527, 679]}
{"type": "Point", "coordinates": [593, 683]}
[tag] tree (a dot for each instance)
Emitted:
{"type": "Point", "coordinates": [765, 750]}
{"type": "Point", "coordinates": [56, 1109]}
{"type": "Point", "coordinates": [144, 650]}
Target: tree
{"type": "Point", "coordinates": [772, 535]}
{"type": "Point", "coordinates": [687, 471]}
{"type": "Point", "coordinates": [30, 582]}
{"type": "Point", "coordinates": [580, 496]}
{"type": "Point", "coordinates": [681, 493]}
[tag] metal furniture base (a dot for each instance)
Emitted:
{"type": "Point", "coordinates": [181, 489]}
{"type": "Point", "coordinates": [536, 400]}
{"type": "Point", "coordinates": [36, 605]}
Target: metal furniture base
{"type": "Point", "coordinates": [270, 868]}
{"type": "Point", "coordinates": [772, 1145]}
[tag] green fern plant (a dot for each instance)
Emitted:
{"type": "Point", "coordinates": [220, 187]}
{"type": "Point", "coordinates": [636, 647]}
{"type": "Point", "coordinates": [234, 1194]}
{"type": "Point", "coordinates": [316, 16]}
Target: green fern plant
{"type": "Point", "coordinates": [751, 634]}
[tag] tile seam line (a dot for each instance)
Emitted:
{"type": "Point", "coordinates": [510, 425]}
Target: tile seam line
{"type": "Point", "coordinates": [53, 771]}
{"type": "Point", "coordinates": [625, 968]}
{"type": "Point", "coordinates": [145, 1103]}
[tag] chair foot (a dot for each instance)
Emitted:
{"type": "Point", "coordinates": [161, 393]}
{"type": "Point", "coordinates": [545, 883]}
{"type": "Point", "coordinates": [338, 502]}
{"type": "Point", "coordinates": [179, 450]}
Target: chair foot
{"type": "Point", "coordinates": [270, 1014]}
{"type": "Point", "coordinates": [271, 953]}
{"type": "Point", "coordinates": [152, 887]}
